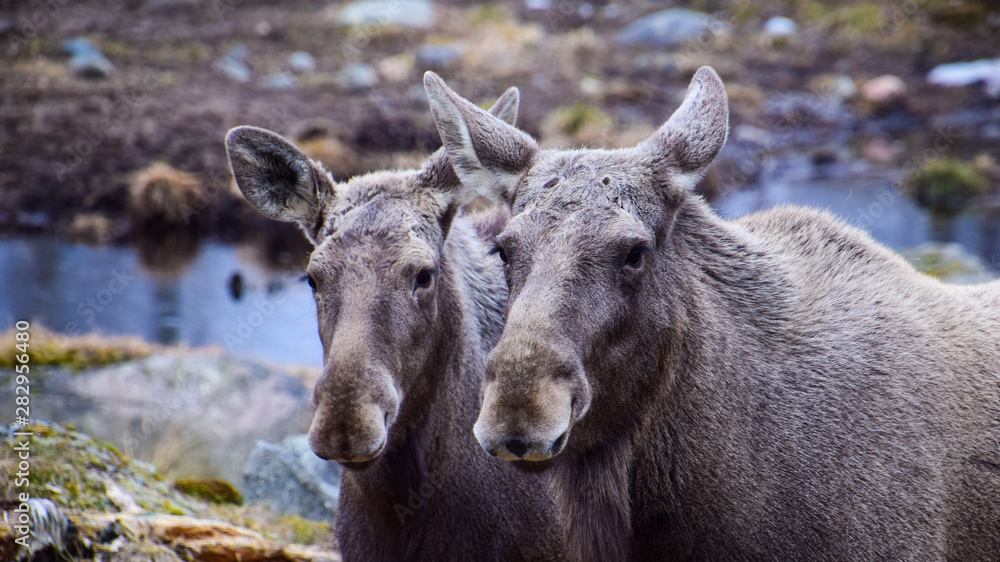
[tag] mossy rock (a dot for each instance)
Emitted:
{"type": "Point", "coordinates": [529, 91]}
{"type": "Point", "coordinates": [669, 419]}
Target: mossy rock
{"type": "Point", "coordinates": [210, 489]}
{"type": "Point", "coordinates": [946, 186]}
{"type": "Point", "coordinates": [78, 472]}
{"type": "Point", "coordinates": [76, 352]}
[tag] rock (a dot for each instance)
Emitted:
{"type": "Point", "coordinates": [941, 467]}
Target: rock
{"type": "Point", "coordinates": [957, 74]}
{"type": "Point", "coordinates": [780, 26]}
{"type": "Point", "coordinates": [949, 262]}
{"type": "Point", "coordinates": [263, 28]}
{"type": "Point", "coordinates": [884, 90]}
{"type": "Point", "coordinates": [357, 77]}
{"type": "Point", "coordinates": [538, 5]}
{"type": "Point", "coordinates": [239, 52]}
{"type": "Point", "coordinates": [87, 61]}
{"type": "Point", "coordinates": [585, 11]}
{"type": "Point", "coordinates": [798, 109]}
{"type": "Point", "coordinates": [397, 68]}
{"type": "Point", "coordinates": [439, 56]}
{"type": "Point", "coordinates": [301, 61]}
{"type": "Point", "coordinates": [414, 14]}
{"type": "Point", "coordinates": [279, 81]}
{"type": "Point", "coordinates": [669, 28]}
{"type": "Point", "coordinates": [292, 479]}
{"type": "Point", "coordinates": [234, 70]}
{"type": "Point", "coordinates": [843, 87]}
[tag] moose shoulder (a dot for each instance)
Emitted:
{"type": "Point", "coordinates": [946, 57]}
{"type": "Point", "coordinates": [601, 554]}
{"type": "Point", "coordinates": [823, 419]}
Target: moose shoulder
{"type": "Point", "coordinates": [409, 302]}
{"type": "Point", "coordinates": [780, 387]}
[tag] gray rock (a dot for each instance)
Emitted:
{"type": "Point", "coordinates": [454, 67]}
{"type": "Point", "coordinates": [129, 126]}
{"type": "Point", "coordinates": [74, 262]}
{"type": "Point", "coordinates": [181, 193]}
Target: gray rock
{"type": "Point", "coordinates": [668, 28]}
{"type": "Point", "coordinates": [799, 109]}
{"type": "Point", "coordinates": [357, 77]}
{"type": "Point", "coordinates": [239, 52]}
{"type": "Point", "coordinates": [780, 26]}
{"type": "Point", "coordinates": [439, 56]}
{"type": "Point", "coordinates": [414, 14]}
{"type": "Point", "coordinates": [87, 61]}
{"type": "Point", "coordinates": [279, 81]}
{"type": "Point", "coordinates": [235, 70]}
{"type": "Point", "coordinates": [301, 61]}
{"type": "Point", "coordinates": [292, 479]}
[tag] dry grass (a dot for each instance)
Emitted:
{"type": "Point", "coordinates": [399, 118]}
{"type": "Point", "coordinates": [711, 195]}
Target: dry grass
{"type": "Point", "coordinates": [163, 196]}
{"type": "Point", "coordinates": [46, 347]}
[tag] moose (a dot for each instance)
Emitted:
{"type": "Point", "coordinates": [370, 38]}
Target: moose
{"type": "Point", "coordinates": [777, 387]}
{"type": "Point", "coordinates": [409, 302]}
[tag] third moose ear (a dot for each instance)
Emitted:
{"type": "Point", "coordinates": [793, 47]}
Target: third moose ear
{"type": "Point", "coordinates": [488, 155]}
{"type": "Point", "coordinates": [693, 136]}
{"type": "Point", "coordinates": [276, 177]}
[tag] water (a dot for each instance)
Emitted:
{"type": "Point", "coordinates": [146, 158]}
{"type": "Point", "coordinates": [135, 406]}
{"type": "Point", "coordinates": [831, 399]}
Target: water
{"type": "Point", "coordinates": [75, 288]}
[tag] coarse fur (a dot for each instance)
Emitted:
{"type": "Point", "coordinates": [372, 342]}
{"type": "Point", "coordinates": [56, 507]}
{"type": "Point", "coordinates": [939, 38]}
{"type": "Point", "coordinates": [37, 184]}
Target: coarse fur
{"type": "Point", "coordinates": [779, 387]}
{"type": "Point", "coordinates": [409, 302]}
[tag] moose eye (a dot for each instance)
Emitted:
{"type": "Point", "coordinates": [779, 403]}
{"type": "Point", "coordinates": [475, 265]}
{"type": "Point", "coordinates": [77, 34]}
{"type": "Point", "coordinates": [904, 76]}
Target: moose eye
{"type": "Point", "coordinates": [500, 252]}
{"type": "Point", "coordinates": [312, 282]}
{"type": "Point", "coordinates": [634, 257]}
{"type": "Point", "coordinates": [423, 279]}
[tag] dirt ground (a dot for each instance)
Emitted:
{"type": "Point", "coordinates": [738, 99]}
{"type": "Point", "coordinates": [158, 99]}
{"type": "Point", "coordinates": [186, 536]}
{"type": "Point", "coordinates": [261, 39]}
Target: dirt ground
{"type": "Point", "coordinates": [69, 146]}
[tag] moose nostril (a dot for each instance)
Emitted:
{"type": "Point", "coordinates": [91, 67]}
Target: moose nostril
{"type": "Point", "coordinates": [557, 445]}
{"type": "Point", "coordinates": [517, 447]}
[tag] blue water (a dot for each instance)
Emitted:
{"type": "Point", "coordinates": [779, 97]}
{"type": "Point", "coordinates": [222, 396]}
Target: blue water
{"type": "Point", "coordinates": [76, 288]}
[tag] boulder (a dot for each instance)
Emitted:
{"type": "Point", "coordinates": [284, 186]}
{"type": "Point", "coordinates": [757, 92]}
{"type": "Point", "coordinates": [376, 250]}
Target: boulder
{"type": "Point", "coordinates": [292, 479]}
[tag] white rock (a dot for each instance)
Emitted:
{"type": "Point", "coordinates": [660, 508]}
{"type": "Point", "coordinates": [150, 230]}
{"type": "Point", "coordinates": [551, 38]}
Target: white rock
{"type": "Point", "coordinates": [965, 73]}
{"type": "Point", "coordinates": [301, 61]}
{"type": "Point", "coordinates": [780, 26]}
{"type": "Point", "coordinates": [416, 14]}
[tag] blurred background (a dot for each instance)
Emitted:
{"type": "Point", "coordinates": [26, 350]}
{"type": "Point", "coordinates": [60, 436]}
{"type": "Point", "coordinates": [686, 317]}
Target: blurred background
{"type": "Point", "coordinates": [168, 315]}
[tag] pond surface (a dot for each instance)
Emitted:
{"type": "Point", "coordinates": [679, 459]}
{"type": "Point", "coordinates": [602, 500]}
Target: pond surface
{"type": "Point", "coordinates": [76, 288]}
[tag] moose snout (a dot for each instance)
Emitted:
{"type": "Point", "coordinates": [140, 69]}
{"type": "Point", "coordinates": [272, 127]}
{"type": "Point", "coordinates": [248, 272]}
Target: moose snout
{"type": "Point", "coordinates": [529, 431]}
{"type": "Point", "coordinates": [352, 440]}
{"type": "Point", "coordinates": [352, 427]}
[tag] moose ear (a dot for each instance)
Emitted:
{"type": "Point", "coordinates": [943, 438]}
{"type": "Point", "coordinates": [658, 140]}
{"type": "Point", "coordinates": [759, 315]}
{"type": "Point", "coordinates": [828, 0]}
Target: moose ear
{"type": "Point", "coordinates": [488, 155]}
{"type": "Point", "coordinates": [438, 173]}
{"type": "Point", "coordinates": [693, 136]}
{"type": "Point", "coordinates": [277, 178]}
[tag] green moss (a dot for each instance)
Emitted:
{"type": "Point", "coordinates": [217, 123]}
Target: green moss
{"type": "Point", "coordinates": [52, 352]}
{"type": "Point", "coordinates": [486, 13]}
{"type": "Point", "coordinates": [572, 119]}
{"type": "Point", "coordinates": [74, 471]}
{"type": "Point", "coordinates": [863, 18]}
{"type": "Point", "coordinates": [946, 186]}
{"type": "Point", "coordinates": [304, 531]}
{"type": "Point", "coordinates": [210, 490]}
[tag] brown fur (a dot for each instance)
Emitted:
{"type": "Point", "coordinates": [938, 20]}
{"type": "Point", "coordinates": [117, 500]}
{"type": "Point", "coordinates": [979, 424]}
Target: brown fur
{"type": "Point", "coordinates": [404, 357]}
{"type": "Point", "coordinates": [780, 387]}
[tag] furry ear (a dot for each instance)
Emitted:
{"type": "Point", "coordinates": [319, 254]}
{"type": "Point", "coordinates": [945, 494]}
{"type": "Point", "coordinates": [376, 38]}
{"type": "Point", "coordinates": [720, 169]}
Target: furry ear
{"type": "Point", "coordinates": [488, 155]}
{"type": "Point", "coordinates": [693, 136]}
{"type": "Point", "coordinates": [277, 178]}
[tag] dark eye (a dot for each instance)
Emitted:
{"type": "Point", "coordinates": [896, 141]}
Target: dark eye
{"type": "Point", "coordinates": [423, 279]}
{"type": "Point", "coordinates": [312, 282]}
{"type": "Point", "coordinates": [634, 257]}
{"type": "Point", "coordinates": [500, 252]}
